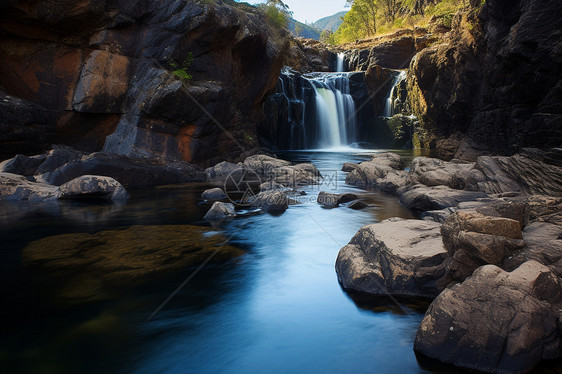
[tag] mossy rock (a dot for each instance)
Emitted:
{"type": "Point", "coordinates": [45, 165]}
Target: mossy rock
{"type": "Point", "coordinates": [90, 265]}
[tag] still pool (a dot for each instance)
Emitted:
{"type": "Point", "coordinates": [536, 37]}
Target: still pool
{"type": "Point", "coordinates": [278, 308]}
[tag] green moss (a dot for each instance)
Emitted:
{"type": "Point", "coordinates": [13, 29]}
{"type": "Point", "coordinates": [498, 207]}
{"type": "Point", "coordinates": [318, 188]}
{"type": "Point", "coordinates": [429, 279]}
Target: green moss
{"type": "Point", "coordinates": [180, 70]}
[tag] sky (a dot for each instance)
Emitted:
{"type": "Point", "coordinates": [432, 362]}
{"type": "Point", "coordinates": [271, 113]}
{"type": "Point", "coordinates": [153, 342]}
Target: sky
{"type": "Point", "coordinates": [311, 10]}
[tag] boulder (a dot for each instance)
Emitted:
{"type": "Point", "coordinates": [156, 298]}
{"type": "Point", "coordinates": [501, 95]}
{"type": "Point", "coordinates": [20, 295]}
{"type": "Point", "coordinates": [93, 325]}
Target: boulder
{"type": "Point", "coordinates": [347, 197]}
{"type": "Point", "coordinates": [422, 198]}
{"type": "Point", "coordinates": [434, 172]}
{"type": "Point", "coordinates": [330, 200]}
{"type": "Point", "coordinates": [394, 257]}
{"type": "Point", "coordinates": [213, 194]}
{"type": "Point", "coordinates": [127, 171]}
{"type": "Point", "coordinates": [437, 215]}
{"type": "Point", "coordinates": [296, 176]}
{"type": "Point", "coordinates": [348, 167]}
{"type": "Point", "coordinates": [264, 164]}
{"type": "Point", "coordinates": [393, 181]}
{"type": "Point", "coordinates": [374, 173]}
{"type": "Point", "coordinates": [495, 321]}
{"type": "Point", "coordinates": [58, 157]}
{"type": "Point", "coordinates": [274, 201]}
{"type": "Point", "coordinates": [544, 245]}
{"type": "Point", "coordinates": [222, 170]}
{"type": "Point", "coordinates": [220, 210]}
{"type": "Point", "coordinates": [473, 240]}
{"type": "Point", "coordinates": [93, 187]}
{"type": "Point", "coordinates": [22, 165]}
{"type": "Point", "coordinates": [271, 185]}
{"type": "Point", "coordinates": [17, 187]}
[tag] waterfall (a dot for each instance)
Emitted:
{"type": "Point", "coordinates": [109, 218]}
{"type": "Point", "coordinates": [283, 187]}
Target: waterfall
{"type": "Point", "coordinates": [335, 110]}
{"type": "Point", "coordinates": [313, 111]}
{"type": "Point", "coordinates": [340, 62]}
{"type": "Point", "coordinates": [389, 108]}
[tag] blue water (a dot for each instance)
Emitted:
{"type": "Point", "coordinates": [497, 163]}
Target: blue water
{"type": "Point", "coordinates": [277, 309]}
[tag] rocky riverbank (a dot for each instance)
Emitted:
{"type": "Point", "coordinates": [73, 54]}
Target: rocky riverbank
{"type": "Point", "coordinates": [489, 227]}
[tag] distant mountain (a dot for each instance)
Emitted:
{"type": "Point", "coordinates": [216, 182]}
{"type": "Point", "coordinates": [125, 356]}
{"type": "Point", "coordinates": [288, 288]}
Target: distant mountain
{"type": "Point", "coordinates": [305, 31]}
{"type": "Point", "coordinates": [331, 23]}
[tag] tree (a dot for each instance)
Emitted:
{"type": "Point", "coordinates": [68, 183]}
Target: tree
{"type": "Point", "coordinates": [326, 37]}
{"type": "Point", "coordinates": [366, 12]}
{"type": "Point", "coordinates": [279, 4]}
{"type": "Point", "coordinates": [391, 8]}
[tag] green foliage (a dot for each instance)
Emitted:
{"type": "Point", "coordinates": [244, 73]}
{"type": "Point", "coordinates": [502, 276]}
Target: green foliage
{"type": "Point", "coordinates": [248, 137]}
{"type": "Point", "coordinates": [370, 17]}
{"type": "Point", "coordinates": [276, 17]}
{"type": "Point", "coordinates": [180, 71]}
{"type": "Point", "coordinates": [327, 37]}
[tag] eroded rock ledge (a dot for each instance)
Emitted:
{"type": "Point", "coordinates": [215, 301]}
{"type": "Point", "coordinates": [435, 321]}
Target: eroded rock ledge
{"type": "Point", "coordinates": [488, 249]}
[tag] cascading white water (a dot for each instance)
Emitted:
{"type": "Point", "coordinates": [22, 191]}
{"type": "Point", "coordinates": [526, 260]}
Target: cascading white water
{"type": "Point", "coordinates": [328, 117]}
{"type": "Point", "coordinates": [340, 63]}
{"type": "Point", "coordinates": [390, 101]}
{"type": "Point", "coordinates": [318, 109]}
{"type": "Point", "coordinates": [335, 110]}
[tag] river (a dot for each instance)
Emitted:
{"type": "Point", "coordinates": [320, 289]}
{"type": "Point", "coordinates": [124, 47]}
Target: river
{"type": "Point", "coordinates": [277, 309]}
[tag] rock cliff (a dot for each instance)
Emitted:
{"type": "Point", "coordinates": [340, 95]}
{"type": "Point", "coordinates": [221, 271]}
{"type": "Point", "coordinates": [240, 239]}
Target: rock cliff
{"type": "Point", "coordinates": [99, 75]}
{"type": "Point", "coordinates": [495, 86]}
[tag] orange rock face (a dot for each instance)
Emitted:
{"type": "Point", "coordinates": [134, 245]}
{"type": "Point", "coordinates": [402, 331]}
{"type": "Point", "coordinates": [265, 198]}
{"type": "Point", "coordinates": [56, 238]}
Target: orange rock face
{"type": "Point", "coordinates": [103, 83]}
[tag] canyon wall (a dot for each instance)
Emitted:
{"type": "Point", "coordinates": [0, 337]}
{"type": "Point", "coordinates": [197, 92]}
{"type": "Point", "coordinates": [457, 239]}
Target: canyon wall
{"type": "Point", "coordinates": [496, 85]}
{"type": "Point", "coordinates": [100, 75]}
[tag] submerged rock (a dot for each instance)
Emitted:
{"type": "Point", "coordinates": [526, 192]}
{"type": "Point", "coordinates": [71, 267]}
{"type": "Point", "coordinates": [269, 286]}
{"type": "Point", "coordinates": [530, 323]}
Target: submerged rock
{"type": "Point", "coordinates": [394, 257]}
{"type": "Point", "coordinates": [93, 187]}
{"type": "Point", "coordinates": [220, 210]}
{"type": "Point", "coordinates": [88, 266]}
{"type": "Point", "coordinates": [495, 321]}
{"type": "Point", "coordinates": [358, 205]}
